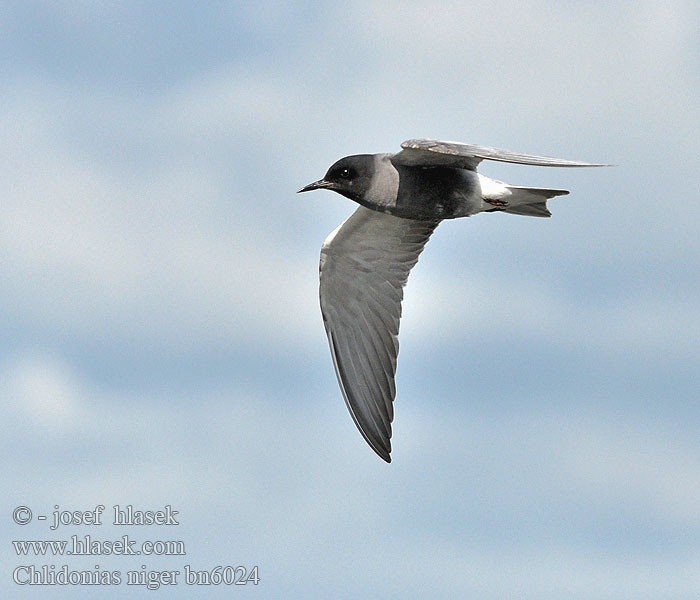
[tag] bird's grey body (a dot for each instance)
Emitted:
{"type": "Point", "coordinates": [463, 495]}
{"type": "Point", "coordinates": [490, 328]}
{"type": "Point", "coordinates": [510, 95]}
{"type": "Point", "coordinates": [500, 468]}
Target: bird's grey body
{"type": "Point", "coordinates": [423, 193]}
{"type": "Point", "coordinates": [365, 262]}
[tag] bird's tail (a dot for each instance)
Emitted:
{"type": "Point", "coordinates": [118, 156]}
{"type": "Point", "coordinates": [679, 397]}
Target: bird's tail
{"type": "Point", "coordinates": [531, 202]}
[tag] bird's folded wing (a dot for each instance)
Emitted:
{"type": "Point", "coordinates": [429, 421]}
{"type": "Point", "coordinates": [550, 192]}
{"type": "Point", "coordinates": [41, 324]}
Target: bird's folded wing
{"type": "Point", "coordinates": [364, 265]}
{"type": "Point", "coordinates": [434, 153]}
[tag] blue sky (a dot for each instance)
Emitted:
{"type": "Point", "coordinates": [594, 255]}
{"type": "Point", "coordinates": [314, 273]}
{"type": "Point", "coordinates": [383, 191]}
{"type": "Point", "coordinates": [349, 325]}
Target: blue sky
{"type": "Point", "coordinates": [161, 337]}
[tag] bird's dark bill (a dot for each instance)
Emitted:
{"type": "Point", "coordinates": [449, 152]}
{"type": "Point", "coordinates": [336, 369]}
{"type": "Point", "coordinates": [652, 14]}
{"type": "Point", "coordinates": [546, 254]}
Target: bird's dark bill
{"type": "Point", "coordinates": [321, 184]}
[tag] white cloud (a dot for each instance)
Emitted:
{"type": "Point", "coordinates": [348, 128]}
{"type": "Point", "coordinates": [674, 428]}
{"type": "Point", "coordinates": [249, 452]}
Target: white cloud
{"type": "Point", "coordinates": [44, 391]}
{"type": "Point", "coordinates": [565, 63]}
{"type": "Point", "coordinates": [511, 307]}
{"type": "Point", "coordinates": [505, 502]}
{"type": "Point", "coordinates": [97, 253]}
{"type": "Point", "coordinates": [643, 467]}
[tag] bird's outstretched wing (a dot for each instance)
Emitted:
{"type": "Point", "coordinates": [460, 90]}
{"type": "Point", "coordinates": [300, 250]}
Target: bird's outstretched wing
{"type": "Point", "coordinates": [364, 265]}
{"type": "Point", "coordinates": [434, 153]}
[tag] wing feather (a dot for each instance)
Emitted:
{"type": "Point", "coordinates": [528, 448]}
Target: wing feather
{"type": "Point", "coordinates": [436, 153]}
{"type": "Point", "coordinates": [364, 265]}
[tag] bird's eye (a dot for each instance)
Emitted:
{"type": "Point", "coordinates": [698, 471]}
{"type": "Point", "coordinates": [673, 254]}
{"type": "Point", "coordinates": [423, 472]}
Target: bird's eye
{"type": "Point", "coordinates": [345, 173]}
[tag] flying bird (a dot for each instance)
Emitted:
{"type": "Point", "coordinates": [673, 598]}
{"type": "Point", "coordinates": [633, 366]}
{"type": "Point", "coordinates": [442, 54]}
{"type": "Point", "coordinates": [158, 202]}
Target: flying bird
{"type": "Point", "coordinates": [365, 262]}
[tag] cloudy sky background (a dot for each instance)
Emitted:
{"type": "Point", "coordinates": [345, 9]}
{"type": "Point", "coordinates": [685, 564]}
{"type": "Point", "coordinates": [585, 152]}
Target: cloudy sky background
{"type": "Point", "coordinates": [161, 341]}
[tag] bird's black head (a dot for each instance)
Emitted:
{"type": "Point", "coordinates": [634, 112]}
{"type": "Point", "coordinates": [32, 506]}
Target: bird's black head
{"type": "Point", "coordinates": [350, 176]}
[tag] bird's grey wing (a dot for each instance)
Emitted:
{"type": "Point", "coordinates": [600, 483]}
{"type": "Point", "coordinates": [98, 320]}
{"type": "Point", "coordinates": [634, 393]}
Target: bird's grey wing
{"type": "Point", "coordinates": [364, 265]}
{"type": "Point", "coordinates": [434, 153]}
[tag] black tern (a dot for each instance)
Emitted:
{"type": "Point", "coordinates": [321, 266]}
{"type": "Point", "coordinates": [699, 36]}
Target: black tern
{"type": "Point", "coordinates": [365, 262]}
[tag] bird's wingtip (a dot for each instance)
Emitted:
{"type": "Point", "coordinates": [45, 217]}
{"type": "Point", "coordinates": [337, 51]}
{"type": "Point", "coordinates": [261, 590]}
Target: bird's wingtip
{"type": "Point", "coordinates": [384, 454]}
